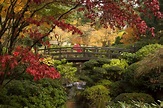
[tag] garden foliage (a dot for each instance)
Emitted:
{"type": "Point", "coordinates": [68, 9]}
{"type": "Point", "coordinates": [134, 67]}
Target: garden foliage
{"type": "Point", "coordinates": [22, 20]}
{"type": "Point", "coordinates": [141, 53]}
{"type": "Point", "coordinates": [102, 68]}
{"type": "Point", "coordinates": [46, 93]}
{"type": "Point", "coordinates": [95, 96]}
{"type": "Point", "coordinates": [66, 69]}
{"type": "Point", "coordinates": [140, 81]}
{"type": "Point", "coordinates": [139, 97]}
{"type": "Point", "coordinates": [23, 28]}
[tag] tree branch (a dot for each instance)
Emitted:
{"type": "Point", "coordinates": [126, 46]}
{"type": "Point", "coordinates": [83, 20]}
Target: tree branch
{"type": "Point", "coordinates": [54, 25]}
{"type": "Point", "coordinates": [41, 8]}
{"type": "Point", "coordinates": [15, 76]}
{"type": "Point", "coordinates": [16, 23]}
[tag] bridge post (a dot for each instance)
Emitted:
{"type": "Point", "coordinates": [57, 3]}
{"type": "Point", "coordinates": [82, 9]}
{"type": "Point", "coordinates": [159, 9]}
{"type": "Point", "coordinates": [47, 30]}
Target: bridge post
{"type": "Point", "coordinates": [60, 52]}
{"type": "Point", "coordinates": [83, 51]}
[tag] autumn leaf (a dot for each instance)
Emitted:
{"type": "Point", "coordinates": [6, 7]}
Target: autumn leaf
{"type": "Point", "coordinates": [129, 36]}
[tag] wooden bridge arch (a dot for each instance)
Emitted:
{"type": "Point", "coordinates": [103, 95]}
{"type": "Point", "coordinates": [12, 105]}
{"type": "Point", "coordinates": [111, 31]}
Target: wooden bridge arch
{"type": "Point", "coordinates": [83, 53]}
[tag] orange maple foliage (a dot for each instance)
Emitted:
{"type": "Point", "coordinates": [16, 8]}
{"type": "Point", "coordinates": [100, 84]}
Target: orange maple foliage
{"type": "Point", "coordinates": [129, 36]}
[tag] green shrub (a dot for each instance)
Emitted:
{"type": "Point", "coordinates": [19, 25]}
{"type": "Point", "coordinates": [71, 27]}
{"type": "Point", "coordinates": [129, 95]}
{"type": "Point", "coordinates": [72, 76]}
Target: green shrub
{"type": "Point", "coordinates": [129, 97]}
{"type": "Point", "coordinates": [105, 83]}
{"type": "Point", "coordinates": [46, 93]}
{"type": "Point", "coordinates": [114, 88]}
{"type": "Point", "coordinates": [119, 62]}
{"type": "Point", "coordinates": [96, 70]}
{"type": "Point", "coordinates": [151, 81]}
{"type": "Point", "coordinates": [132, 83]}
{"type": "Point", "coordinates": [96, 96]}
{"type": "Point", "coordinates": [129, 57]}
{"type": "Point", "coordinates": [129, 76]}
{"type": "Point", "coordinates": [59, 62]}
{"type": "Point", "coordinates": [68, 72]}
{"type": "Point", "coordinates": [115, 69]}
{"type": "Point", "coordinates": [98, 73]}
{"type": "Point", "coordinates": [66, 69]}
{"type": "Point", "coordinates": [114, 73]}
{"type": "Point", "coordinates": [146, 50]}
{"type": "Point", "coordinates": [87, 79]}
{"type": "Point", "coordinates": [141, 53]}
{"type": "Point", "coordinates": [117, 88]}
{"type": "Point", "coordinates": [161, 40]}
{"type": "Point", "coordinates": [94, 75]}
{"type": "Point", "coordinates": [143, 42]}
{"type": "Point", "coordinates": [92, 70]}
{"type": "Point", "coordinates": [102, 61]}
{"type": "Point", "coordinates": [146, 75]}
{"type": "Point", "coordinates": [90, 64]}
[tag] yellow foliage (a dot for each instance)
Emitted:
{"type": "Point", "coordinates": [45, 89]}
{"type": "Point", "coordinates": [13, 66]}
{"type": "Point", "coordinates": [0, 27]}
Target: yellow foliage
{"type": "Point", "coordinates": [19, 5]}
{"type": "Point", "coordinates": [120, 34]}
{"type": "Point", "coordinates": [74, 22]}
{"type": "Point", "coordinates": [7, 3]}
{"type": "Point", "coordinates": [48, 61]}
{"type": "Point", "coordinates": [27, 14]}
{"type": "Point", "coordinates": [61, 35]}
{"type": "Point", "coordinates": [95, 37]}
{"type": "Point", "coordinates": [129, 36]}
{"type": "Point", "coordinates": [90, 37]}
{"type": "Point", "coordinates": [1, 1]}
{"type": "Point", "coordinates": [103, 36]}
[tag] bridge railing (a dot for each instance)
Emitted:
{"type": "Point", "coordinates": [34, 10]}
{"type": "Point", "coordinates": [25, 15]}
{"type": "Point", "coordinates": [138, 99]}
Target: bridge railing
{"type": "Point", "coordinates": [86, 53]}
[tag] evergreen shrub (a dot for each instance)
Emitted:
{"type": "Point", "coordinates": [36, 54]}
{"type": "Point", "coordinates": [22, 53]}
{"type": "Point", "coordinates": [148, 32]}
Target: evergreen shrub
{"type": "Point", "coordinates": [95, 97]}
{"type": "Point", "coordinates": [115, 69]}
{"type": "Point", "coordinates": [129, 97]}
{"type": "Point", "coordinates": [46, 93]}
{"type": "Point", "coordinates": [146, 50]}
{"type": "Point", "coordinates": [141, 53]}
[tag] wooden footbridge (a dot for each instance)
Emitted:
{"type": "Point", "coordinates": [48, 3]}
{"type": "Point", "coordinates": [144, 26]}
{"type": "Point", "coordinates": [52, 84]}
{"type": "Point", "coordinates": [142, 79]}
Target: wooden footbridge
{"type": "Point", "coordinates": [82, 54]}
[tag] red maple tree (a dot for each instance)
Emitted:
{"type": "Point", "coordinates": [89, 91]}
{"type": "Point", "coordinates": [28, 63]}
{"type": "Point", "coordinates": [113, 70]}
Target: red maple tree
{"type": "Point", "coordinates": [15, 20]}
{"type": "Point", "coordinates": [119, 13]}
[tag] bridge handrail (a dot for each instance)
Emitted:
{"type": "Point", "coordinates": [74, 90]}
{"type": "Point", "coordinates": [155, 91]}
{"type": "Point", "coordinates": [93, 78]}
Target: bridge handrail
{"type": "Point", "coordinates": [86, 52]}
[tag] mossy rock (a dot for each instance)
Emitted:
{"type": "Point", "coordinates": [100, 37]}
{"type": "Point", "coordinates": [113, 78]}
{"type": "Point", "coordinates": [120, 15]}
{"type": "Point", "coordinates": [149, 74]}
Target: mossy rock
{"type": "Point", "coordinates": [129, 97]}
